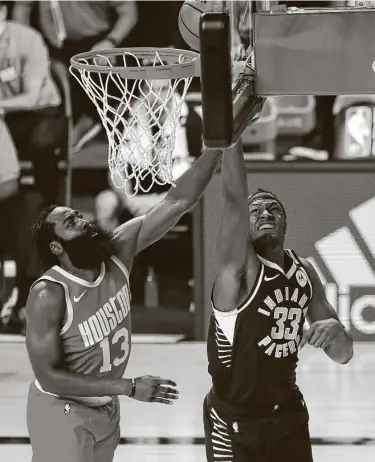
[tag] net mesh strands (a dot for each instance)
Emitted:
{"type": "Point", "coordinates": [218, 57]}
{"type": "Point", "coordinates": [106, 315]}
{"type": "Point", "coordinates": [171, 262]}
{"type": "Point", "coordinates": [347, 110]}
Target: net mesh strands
{"type": "Point", "coordinates": [139, 96]}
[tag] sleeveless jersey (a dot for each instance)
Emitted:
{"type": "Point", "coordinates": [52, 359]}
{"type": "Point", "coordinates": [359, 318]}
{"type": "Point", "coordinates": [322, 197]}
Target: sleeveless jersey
{"type": "Point", "coordinates": [96, 331]}
{"type": "Point", "coordinates": [253, 350]}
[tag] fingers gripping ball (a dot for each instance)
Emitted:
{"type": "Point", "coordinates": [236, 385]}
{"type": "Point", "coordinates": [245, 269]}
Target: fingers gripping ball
{"type": "Point", "coordinates": [188, 21]}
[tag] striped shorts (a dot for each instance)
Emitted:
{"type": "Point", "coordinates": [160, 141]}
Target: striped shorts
{"type": "Point", "coordinates": [276, 439]}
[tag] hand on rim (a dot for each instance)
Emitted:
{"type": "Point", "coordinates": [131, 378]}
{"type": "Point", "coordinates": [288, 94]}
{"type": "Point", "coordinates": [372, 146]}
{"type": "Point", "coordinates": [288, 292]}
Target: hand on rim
{"type": "Point", "coordinates": [103, 60]}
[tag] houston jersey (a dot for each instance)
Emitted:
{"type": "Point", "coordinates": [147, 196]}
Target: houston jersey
{"type": "Point", "coordinates": [96, 330]}
{"type": "Point", "coordinates": [253, 350]}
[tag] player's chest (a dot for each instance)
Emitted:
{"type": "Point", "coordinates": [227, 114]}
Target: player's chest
{"type": "Point", "coordinates": [98, 312]}
{"type": "Point", "coordinates": [277, 315]}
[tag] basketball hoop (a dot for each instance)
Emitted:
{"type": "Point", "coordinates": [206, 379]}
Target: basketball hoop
{"type": "Point", "coordinates": [139, 106]}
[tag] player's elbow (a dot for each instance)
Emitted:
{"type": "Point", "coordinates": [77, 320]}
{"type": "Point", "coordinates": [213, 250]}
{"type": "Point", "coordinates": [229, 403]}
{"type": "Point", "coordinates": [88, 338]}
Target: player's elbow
{"type": "Point", "coordinates": [33, 97]}
{"type": "Point", "coordinates": [30, 99]}
{"type": "Point", "coordinates": [44, 376]}
{"type": "Point", "coordinates": [46, 380]}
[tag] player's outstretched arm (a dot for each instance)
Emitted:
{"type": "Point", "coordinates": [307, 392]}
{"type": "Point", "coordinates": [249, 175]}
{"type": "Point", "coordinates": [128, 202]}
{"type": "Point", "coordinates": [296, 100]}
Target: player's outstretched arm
{"type": "Point", "coordinates": [134, 236]}
{"type": "Point", "coordinates": [45, 311]}
{"type": "Point", "coordinates": [326, 330]}
{"type": "Point", "coordinates": [238, 264]}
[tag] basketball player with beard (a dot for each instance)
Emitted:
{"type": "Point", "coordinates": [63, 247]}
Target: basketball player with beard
{"type": "Point", "coordinates": [78, 324]}
{"type": "Point", "coordinates": [261, 297]}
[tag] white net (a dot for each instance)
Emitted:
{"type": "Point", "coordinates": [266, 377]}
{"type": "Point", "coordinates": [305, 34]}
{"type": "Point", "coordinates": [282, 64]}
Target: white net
{"type": "Point", "coordinates": [140, 115]}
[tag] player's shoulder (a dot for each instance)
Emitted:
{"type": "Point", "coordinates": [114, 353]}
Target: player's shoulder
{"type": "Point", "coordinates": [46, 292]}
{"type": "Point", "coordinates": [295, 256]}
{"type": "Point", "coordinates": [22, 30]}
{"type": "Point", "coordinates": [309, 268]}
{"type": "Point", "coordinates": [25, 35]}
{"type": "Point", "coordinates": [45, 305]}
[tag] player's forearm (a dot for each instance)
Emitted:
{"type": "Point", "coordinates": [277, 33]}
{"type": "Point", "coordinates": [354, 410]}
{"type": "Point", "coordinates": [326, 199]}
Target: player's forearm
{"type": "Point", "coordinates": [22, 12]}
{"type": "Point", "coordinates": [234, 176]}
{"type": "Point", "coordinates": [192, 184]}
{"type": "Point", "coordinates": [64, 383]}
{"type": "Point", "coordinates": [234, 227]}
{"type": "Point", "coordinates": [341, 350]}
{"type": "Point", "coordinates": [125, 23]}
{"type": "Point", "coordinates": [22, 102]}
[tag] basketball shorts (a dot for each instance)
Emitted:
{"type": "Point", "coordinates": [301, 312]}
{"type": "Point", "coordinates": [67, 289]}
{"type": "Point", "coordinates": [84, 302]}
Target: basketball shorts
{"type": "Point", "coordinates": [276, 439]}
{"type": "Point", "coordinates": [65, 431]}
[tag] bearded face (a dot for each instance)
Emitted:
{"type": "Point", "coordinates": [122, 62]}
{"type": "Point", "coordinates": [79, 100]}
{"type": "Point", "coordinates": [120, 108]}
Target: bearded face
{"type": "Point", "coordinates": [90, 249]}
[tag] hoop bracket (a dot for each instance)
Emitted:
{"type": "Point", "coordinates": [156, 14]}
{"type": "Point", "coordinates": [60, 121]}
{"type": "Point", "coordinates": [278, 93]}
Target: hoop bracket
{"type": "Point", "coordinates": [226, 111]}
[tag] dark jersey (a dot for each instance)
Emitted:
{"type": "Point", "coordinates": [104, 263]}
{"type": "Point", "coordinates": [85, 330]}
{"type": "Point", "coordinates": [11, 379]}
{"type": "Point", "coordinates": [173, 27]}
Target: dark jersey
{"type": "Point", "coordinates": [253, 350]}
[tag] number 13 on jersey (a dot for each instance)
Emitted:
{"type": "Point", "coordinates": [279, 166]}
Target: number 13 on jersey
{"type": "Point", "coordinates": [119, 341]}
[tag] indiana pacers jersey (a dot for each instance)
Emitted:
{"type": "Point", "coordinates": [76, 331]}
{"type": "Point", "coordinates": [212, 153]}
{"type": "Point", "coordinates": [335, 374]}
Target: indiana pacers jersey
{"type": "Point", "coordinates": [253, 350]}
{"type": "Point", "coordinates": [96, 331]}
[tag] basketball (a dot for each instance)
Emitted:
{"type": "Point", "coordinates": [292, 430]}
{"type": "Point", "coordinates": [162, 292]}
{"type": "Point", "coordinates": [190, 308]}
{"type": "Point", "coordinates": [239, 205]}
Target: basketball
{"type": "Point", "coordinates": [188, 22]}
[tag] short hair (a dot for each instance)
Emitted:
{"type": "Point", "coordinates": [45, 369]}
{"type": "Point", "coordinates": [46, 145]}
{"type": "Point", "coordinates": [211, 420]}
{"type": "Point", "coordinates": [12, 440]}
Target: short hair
{"type": "Point", "coordinates": [264, 192]}
{"type": "Point", "coordinates": [43, 233]}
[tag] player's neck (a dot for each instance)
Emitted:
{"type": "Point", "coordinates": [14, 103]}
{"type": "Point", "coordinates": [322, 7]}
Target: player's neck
{"type": "Point", "coordinates": [275, 255]}
{"type": "Point", "coordinates": [89, 275]}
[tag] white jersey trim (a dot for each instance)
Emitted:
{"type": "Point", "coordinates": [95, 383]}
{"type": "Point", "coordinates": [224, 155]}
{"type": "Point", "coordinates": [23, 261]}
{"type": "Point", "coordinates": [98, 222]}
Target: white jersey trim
{"type": "Point", "coordinates": [39, 387]}
{"type": "Point", "coordinates": [90, 401]}
{"type": "Point", "coordinates": [78, 280]}
{"type": "Point", "coordinates": [69, 306]}
{"type": "Point", "coordinates": [270, 264]}
{"type": "Point", "coordinates": [273, 265]}
{"type": "Point", "coordinates": [227, 324]}
{"type": "Point", "coordinates": [122, 267]}
{"type": "Point", "coordinates": [302, 267]}
{"type": "Point", "coordinates": [294, 266]}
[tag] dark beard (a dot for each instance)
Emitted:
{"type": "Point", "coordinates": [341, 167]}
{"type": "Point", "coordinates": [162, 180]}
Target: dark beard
{"type": "Point", "coordinates": [88, 251]}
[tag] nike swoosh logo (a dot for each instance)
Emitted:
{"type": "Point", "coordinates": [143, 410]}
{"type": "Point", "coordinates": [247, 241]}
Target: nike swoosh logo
{"type": "Point", "coordinates": [77, 299]}
{"type": "Point", "coordinates": [270, 278]}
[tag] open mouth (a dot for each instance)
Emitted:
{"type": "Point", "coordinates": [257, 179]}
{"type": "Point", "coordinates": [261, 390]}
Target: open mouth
{"type": "Point", "coordinates": [266, 226]}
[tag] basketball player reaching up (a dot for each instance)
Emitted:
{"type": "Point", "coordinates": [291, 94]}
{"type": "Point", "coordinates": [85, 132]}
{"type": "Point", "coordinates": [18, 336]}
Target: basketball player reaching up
{"type": "Point", "coordinates": [78, 324]}
{"type": "Point", "coordinates": [261, 296]}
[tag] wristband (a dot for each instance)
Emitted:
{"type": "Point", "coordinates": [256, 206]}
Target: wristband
{"type": "Point", "coordinates": [132, 393]}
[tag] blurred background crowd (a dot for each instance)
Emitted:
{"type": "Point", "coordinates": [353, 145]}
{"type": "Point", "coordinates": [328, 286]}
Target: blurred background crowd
{"type": "Point", "coordinates": [53, 148]}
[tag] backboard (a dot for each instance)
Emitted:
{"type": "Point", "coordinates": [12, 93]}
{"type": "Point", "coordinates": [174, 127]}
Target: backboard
{"type": "Point", "coordinates": [315, 51]}
{"type": "Point", "coordinates": [227, 79]}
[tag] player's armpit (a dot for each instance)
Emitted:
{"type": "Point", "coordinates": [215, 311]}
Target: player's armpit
{"type": "Point", "coordinates": [226, 292]}
{"type": "Point", "coordinates": [45, 310]}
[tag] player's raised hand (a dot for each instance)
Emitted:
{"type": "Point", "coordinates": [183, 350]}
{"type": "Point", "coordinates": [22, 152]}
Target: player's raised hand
{"type": "Point", "coordinates": [155, 390]}
{"type": "Point", "coordinates": [321, 334]}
